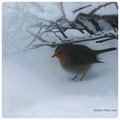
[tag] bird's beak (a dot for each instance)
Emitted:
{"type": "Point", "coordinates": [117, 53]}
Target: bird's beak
{"type": "Point", "coordinates": [53, 56]}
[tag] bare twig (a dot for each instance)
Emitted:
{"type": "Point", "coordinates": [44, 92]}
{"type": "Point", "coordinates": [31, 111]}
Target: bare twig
{"type": "Point", "coordinates": [96, 38]}
{"type": "Point", "coordinates": [101, 41]}
{"type": "Point", "coordinates": [96, 25]}
{"type": "Point", "coordinates": [75, 26]}
{"type": "Point", "coordinates": [55, 32]}
{"type": "Point", "coordinates": [111, 24]}
{"type": "Point", "coordinates": [48, 31]}
{"type": "Point", "coordinates": [85, 27]}
{"type": "Point", "coordinates": [81, 8]}
{"type": "Point", "coordinates": [32, 40]}
{"type": "Point", "coordinates": [38, 37]}
{"type": "Point", "coordinates": [99, 17]}
{"type": "Point", "coordinates": [60, 30]}
{"type": "Point", "coordinates": [62, 9]}
{"type": "Point", "coordinates": [49, 26]}
{"type": "Point", "coordinates": [58, 36]}
{"type": "Point", "coordinates": [99, 7]}
{"type": "Point", "coordinates": [116, 4]}
{"type": "Point", "coordinates": [115, 24]}
{"type": "Point", "coordinates": [63, 12]}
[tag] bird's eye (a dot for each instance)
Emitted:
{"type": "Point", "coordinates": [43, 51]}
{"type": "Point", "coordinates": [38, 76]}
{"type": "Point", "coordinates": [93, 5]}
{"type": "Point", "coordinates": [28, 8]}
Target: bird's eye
{"type": "Point", "coordinates": [58, 52]}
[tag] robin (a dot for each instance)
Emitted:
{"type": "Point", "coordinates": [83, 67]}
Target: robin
{"type": "Point", "coordinates": [78, 58]}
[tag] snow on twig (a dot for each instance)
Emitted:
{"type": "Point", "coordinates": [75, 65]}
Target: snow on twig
{"type": "Point", "coordinates": [104, 37]}
{"type": "Point", "coordinates": [100, 17]}
{"type": "Point", "coordinates": [81, 8]}
{"type": "Point", "coordinates": [99, 7]}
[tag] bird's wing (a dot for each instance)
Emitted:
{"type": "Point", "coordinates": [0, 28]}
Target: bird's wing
{"type": "Point", "coordinates": [82, 58]}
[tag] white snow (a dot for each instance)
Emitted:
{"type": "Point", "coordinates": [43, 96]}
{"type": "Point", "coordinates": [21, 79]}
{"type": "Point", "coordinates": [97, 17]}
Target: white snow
{"type": "Point", "coordinates": [34, 85]}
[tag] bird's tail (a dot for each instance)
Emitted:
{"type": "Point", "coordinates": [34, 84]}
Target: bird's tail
{"type": "Point", "coordinates": [105, 50]}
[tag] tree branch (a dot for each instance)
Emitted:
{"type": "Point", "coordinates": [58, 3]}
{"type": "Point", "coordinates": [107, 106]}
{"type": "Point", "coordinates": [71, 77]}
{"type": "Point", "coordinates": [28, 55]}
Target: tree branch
{"type": "Point", "coordinates": [96, 25]}
{"type": "Point", "coordinates": [105, 37]}
{"type": "Point", "coordinates": [99, 17]}
{"type": "Point", "coordinates": [116, 4]}
{"type": "Point", "coordinates": [38, 37]}
{"type": "Point", "coordinates": [57, 36]}
{"type": "Point", "coordinates": [81, 8]}
{"type": "Point", "coordinates": [85, 27]}
{"type": "Point", "coordinates": [60, 30]}
{"type": "Point", "coordinates": [99, 7]}
{"type": "Point", "coordinates": [101, 41]}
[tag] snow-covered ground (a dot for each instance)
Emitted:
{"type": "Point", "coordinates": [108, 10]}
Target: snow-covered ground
{"type": "Point", "coordinates": [34, 85]}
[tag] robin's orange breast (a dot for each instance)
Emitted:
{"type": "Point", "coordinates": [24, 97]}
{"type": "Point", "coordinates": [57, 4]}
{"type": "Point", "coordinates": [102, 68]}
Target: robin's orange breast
{"type": "Point", "coordinates": [62, 59]}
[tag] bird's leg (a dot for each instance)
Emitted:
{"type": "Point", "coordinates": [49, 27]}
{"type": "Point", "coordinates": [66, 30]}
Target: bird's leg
{"type": "Point", "coordinates": [83, 76]}
{"type": "Point", "coordinates": [74, 77]}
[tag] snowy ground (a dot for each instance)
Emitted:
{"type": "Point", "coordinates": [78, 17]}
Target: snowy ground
{"type": "Point", "coordinates": [34, 85]}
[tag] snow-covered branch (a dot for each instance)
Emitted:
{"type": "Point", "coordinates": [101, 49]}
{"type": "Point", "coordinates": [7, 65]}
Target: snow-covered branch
{"type": "Point", "coordinates": [98, 38]}
{"type": "Point", "coordinates": [38, 25]}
